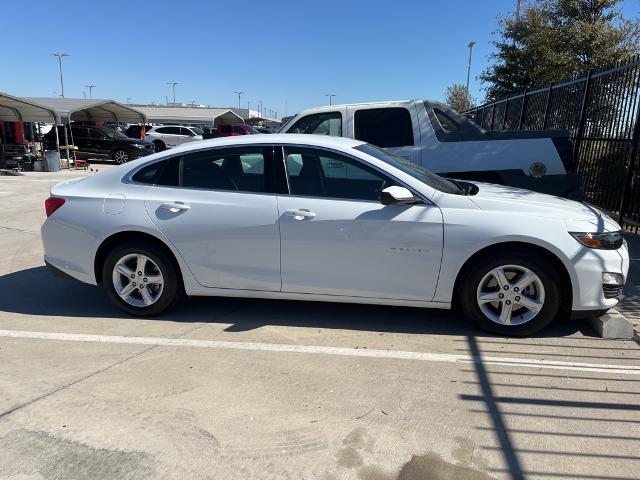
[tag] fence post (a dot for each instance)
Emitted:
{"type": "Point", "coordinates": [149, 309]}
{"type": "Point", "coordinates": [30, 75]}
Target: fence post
{"type": "Point", "coordinates": [493, 114]}
{"type": "Point", "coordinates": [545, 122]}
{"type": "Point", "coordinates": [506, 109]}
{"type": "Point", "coordinates": [582, 119]}
{"type": "Point", "coordinates": [524, 105]}
{"type": "Point", "coordinates": [630, 169]}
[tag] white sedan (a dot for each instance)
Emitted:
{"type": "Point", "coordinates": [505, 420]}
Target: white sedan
{"type": "Point", "coordinates": [308, 217]}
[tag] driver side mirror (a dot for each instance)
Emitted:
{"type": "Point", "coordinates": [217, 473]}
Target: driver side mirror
{"type": "Point", "coordinates": [396, 195]}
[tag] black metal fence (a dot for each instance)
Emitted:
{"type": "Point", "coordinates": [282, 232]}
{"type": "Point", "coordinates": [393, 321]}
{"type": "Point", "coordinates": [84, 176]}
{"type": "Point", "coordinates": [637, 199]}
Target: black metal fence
{"type": "Point", "coordinates": [602, 110]}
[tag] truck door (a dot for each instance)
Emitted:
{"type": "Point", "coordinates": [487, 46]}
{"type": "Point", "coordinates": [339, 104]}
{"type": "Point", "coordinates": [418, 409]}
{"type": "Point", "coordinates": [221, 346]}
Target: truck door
{"type": "Point", "coordinates": [393, 127]}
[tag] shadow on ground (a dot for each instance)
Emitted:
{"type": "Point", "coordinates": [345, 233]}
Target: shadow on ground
{"type": "Point", "coordinates": [34, 291]}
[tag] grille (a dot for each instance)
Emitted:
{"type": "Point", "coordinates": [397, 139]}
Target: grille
{"type": "Point", "coordinates": [612, 291]}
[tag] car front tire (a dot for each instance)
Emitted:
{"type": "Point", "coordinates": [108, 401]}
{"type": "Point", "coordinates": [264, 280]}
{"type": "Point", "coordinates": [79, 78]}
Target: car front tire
{"type": "Point", "coordinates": [159, 146]}
{"type": "Point", "coordinates": [121, 156]}
{"type": "Point", "coordinates": [514, 293]}
{"type": "Point", "coordinates": [140, 278]}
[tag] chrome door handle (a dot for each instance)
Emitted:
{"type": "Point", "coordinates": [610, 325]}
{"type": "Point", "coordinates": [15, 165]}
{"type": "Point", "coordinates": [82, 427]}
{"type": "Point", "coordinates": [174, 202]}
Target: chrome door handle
{"type": "Point", "coordinates": [300, 214]}
{"type": "Point", "coordinates": [175, 207]}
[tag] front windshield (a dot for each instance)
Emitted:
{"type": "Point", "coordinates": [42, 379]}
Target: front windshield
{"type": "Point", "coordinates": [281, 129]}
{"type": "Point", "coordinates": [197, 131]}
{"type": "Point", "coordinates": [410, 168]}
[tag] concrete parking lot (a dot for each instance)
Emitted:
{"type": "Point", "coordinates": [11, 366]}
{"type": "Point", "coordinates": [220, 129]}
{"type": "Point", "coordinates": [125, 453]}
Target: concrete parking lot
{"type": "Point", "coordinates": [234, 388]}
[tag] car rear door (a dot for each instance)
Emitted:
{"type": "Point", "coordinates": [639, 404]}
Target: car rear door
{"type": "Point", "coordinates": [338, 239]}
{"type": "Point", "coordinates": [215, 207]}
{"type": "Point", "coordinates": [394, 127]}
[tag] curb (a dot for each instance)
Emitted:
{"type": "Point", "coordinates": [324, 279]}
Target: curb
{"type": "Point", "coordinates": [614, 326]}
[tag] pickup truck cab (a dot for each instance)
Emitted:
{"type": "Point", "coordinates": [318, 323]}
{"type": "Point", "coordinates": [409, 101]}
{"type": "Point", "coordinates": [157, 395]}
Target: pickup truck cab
{"type": "Point", "coordinates": [443, 141]}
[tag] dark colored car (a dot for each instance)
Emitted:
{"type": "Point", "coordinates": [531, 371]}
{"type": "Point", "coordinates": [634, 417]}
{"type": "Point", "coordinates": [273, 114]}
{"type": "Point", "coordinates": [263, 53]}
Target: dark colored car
{"type": "Point", "coordinates": [265, 130]}
{"type": "Point", "coordinates": [100, 143]}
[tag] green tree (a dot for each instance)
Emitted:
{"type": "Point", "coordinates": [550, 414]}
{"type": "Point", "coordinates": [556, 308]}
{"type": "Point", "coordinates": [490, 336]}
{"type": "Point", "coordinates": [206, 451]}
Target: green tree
{"type": "Point", "coordinates": [458, 98]}
{"type": "Point", "coordinates": [554, 39]}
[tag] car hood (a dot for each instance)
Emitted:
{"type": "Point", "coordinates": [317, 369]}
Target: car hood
{"type": "Point", "coordinates": [577, 216]}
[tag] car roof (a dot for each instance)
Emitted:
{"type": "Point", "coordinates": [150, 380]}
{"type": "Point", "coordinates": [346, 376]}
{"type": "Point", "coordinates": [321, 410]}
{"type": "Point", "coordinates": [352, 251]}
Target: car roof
{"type": "Point", "coordinates": [289, 138]}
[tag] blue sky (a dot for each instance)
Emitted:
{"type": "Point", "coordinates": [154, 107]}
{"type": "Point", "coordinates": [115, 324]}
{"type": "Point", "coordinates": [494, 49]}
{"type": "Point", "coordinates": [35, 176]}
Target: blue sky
{"type": "Point", "coordinates": [275, 51]}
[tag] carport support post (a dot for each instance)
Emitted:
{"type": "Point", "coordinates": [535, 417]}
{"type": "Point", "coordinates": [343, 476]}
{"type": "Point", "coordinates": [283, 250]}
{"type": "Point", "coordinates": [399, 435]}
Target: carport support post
{"type": "Point", "coordinates": [66, 141]}
{"type": "Point", "coordinates": [55, 126]}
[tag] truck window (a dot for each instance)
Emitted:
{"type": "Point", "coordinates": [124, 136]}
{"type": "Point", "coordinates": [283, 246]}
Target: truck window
{"type": "Point", "coordinates": [326, 123]}
{"type": "Point", "coordinates": [384, 127]}
{"type": "Point", "coordinates": [447, 123]}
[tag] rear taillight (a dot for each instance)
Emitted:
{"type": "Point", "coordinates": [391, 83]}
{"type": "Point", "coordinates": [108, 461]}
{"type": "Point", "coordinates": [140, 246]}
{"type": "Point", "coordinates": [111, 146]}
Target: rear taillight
{"type": "Point", "coordinates": [51, 204]}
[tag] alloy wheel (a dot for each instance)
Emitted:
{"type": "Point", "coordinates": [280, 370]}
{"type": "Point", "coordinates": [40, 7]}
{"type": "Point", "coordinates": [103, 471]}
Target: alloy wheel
{"type": "Point", "coordinates": [510, 295]}
{"type": "Point", "coordinates": [121, 157]}
{"type": "Point", "coordinates": [137, 280]}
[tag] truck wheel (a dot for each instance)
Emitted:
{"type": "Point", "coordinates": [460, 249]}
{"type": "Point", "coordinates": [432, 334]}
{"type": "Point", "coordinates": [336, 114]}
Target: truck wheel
{"type": "Point", "coordinates": [159, 146]}
{"type": "Point", "coordinates": [513, 294]}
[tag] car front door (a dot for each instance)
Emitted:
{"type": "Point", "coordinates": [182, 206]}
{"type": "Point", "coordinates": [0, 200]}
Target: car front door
{"type": "Point", "coordinates": [338, 239]}
{"type": "Point", "coordinates": [99, 144]}
{"type": "Point", "coordinates": [214, 206]}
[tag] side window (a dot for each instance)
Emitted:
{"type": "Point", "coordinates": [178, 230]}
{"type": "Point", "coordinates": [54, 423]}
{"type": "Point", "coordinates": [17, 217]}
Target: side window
{"type": "Point", "coordinates": [149, 173]}
{"type": "Point", "coordinates": [186, 131]}
{"type": "Point", "coordinates": [320, 173]}
{"type": "Point", "coordinates": [329, 123]}
{"type": "Point", "coordinates": [447, 123]}
{"type": "Point", "coordinates": [234, 169]}
{"type": "Point", "coordinates": [96, 134]}
{"type": "Point", "coordinates": [384, 127]}
{"type": "Point", "coordinates": [162, 130]}
{"type": "Point", "coordinates": [79, 132]}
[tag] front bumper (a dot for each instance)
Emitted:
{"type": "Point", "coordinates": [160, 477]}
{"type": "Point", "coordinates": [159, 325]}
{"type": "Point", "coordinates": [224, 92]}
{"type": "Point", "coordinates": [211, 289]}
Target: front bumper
{"type": "Point", "coordinates": [590, 293]}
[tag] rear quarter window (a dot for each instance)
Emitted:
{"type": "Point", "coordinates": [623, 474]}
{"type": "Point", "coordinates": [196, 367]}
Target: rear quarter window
{"type": "Point", "coordinates": [384, 127]}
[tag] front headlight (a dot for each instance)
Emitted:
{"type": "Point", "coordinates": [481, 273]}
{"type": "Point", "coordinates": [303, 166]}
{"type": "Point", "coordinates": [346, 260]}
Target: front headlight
{"type": "Point", "coordinates": [601, 241]}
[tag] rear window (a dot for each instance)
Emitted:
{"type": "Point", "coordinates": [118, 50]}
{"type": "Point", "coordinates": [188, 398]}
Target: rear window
{"type": "Point", "coordinates": [384, 127]}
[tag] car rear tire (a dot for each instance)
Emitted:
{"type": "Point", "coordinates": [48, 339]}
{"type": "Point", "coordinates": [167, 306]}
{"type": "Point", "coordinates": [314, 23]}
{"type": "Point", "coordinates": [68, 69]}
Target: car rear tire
{"type": "Point", "coordinates": [140, 278]}
{"type": "Point", "coordinates": [159, 146]}
{"type": "Point", "coordinates": [120, 156]}
{"type": "Point", "coordinates": [513, 293]}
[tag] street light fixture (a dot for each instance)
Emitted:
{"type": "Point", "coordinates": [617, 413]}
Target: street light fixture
{"type": "Point", "coordinates": [239, 95]}
{"type": "Point", "coordinates": [173, 86]}
{"type": "Point", "coordinates": [330, 95]}
{"type": "Point", "coordinates": [90, 87]}
{"type": "Point", "coordinates": [60, 56]}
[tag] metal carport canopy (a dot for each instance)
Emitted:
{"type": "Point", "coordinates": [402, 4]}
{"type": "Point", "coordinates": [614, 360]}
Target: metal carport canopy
{"type": "Point", "coordinates": [196, 115]}
{"type": "Point", "coordinates": [82, 109]}
{"type": "Point", "coordinates": [14, 109]}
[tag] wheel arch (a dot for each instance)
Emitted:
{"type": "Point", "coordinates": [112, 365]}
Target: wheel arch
{"type": "Point", "coordinates": [125, 236]}
{"type": "Point", "coordinates": [566, 284]}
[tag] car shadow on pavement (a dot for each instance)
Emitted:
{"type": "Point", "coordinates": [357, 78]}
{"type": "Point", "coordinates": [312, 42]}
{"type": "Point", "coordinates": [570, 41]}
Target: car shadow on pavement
{"type": "Point", "coordinates": [34, 291]}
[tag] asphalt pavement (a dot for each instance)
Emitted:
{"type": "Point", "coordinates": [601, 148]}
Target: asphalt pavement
{"type": "Point", "coordinates": [222, 388]}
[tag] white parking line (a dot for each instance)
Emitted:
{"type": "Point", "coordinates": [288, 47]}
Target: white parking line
{"type": "Point", "coordinates": [317, 349]}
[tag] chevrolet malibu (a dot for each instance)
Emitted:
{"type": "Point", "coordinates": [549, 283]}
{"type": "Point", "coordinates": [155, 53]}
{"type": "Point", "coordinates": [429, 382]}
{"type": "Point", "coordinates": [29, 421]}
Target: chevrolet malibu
{"type": "Point", "coordinates": [308, 217]}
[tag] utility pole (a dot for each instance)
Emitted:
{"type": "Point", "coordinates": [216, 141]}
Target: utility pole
{"type": "Point", "coordinates": [239, 95]}
{"type": "Point", "coordinates": [60, 57]}
{"type": "Point", "coordinates": [330, 95]}
{"type": "Point", "coordinates": [173, 85]}
{"type": "Point", "coordinates": [260, 107]}
{"type": "Point", "coordinates": [90, 87]}
{"type": "Point", "coordinates": [471, 45]}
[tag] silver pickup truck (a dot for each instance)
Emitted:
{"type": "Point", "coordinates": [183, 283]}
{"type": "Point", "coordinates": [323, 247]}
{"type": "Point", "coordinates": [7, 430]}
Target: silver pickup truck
{"type": "Point", "coordinates": [443, 141]}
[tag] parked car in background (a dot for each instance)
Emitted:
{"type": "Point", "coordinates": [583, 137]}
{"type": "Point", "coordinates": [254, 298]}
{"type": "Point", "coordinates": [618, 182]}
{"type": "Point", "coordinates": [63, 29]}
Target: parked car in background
{"type": "Point", "coordinates": [308, 217]}
{"type": "Point", "coordinates": [265, 130]}
{"type": "Point", "coordinates": [438, 138]}
{"type": "Point", "coordinates": [137, 131]}
{"type": "Point", "coordinates": [99, 143]}
{"type": "Point", "coordinates": [230, 130]}
{"type": "Point", "coordinates": [169, 136]}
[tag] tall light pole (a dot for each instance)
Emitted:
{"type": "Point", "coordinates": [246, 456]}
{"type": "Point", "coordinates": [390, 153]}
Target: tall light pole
{"type": "Point", "coordinates": [471, 45]}
{"type": "Point", "coordinates": [173, 85]}
{"type": "Point", "coordinates": [129, 100]}
{"type": "Point", "coordinates": [60, 56]}
{"type": "Point", "coordinates": [239, 95]}
{"type": "Point", "coordinates": [330, 95]}
{"type": "Point", "coordinates": [518, 10]}
{"type": "Point", "coordinates": [260, 107]}
{"type": "Point", "coordinates": [90, 87]}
